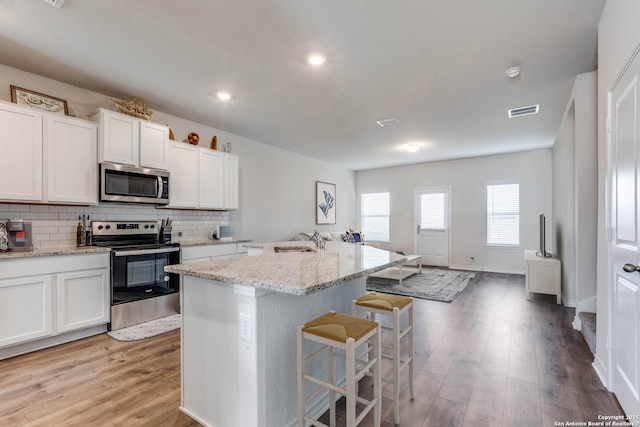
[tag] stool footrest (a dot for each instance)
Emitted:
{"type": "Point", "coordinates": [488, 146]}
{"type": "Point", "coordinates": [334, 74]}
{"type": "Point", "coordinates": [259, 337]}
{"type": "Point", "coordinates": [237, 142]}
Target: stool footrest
{"type": "Point", "coordinates": [315, 423]}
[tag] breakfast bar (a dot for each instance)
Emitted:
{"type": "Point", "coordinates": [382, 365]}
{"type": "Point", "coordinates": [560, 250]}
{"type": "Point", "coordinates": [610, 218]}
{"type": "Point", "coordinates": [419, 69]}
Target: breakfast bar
{"type": "Point", "coordinates": [239, 319]}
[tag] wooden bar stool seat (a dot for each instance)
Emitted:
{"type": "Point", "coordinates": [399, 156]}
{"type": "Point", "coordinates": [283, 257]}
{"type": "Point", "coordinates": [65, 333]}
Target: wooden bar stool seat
{"type": "Point", "coordinates": [395, 306]}
{"type": "Point", "coordinates": [342, 335]}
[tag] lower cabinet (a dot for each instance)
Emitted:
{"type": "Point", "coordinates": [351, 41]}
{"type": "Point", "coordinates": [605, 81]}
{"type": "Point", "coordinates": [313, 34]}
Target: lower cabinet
{"type": "Point", "coordinates": [26, 309]}
{"type": "Point", "coordinates": [82, 299]}
{"type": "Point", "coordinates": [44, 297]}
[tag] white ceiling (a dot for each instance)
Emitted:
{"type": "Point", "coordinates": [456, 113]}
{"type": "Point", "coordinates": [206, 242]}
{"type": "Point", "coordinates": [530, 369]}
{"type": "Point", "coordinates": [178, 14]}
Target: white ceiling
{"type": "Point", "coordinates": [436, 65]}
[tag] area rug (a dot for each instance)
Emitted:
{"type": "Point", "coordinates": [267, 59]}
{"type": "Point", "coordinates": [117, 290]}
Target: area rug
{"type": "Point", "coordinates": [433, 283]}
{"type": "Point", "coordinates": [147, 330]}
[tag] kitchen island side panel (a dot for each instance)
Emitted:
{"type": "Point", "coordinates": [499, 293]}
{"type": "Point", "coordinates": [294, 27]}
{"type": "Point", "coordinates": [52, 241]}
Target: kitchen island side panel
{"type": "Point", "coordinates": [239, 350]}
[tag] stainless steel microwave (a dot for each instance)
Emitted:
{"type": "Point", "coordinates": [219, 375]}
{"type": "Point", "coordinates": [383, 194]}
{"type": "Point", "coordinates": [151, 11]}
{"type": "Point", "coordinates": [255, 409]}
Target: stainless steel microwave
{"type": "Point", "coordinates": [119, 183]}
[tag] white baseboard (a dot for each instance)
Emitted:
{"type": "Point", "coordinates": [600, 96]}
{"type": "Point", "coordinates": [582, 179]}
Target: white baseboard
{"type": "Point", "coordinates": [483, 269]}
{"type": "Point", "coordinates": [601, 371]}
{"type": "Point", "coordinates": [577, 323]}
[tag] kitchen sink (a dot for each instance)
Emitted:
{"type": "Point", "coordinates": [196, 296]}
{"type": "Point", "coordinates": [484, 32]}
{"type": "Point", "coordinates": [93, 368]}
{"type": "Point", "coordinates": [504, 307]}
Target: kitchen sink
{"type": "Point", "coordinates": [278, 249]}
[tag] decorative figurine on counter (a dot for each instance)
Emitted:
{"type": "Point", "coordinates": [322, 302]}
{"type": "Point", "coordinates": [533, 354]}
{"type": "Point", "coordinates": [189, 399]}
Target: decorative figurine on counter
{"type": "Point", "coordinates": [214, 143]}
{"type": "Point", "coordinates": [193, 138]}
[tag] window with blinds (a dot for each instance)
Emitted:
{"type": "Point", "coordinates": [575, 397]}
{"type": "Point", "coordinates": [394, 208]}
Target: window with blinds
{"type": "Point", "coordinates": [374, 216]}
{"type": "Point", "coordinates": [503, 215]}
{"type": "Point", "coordinates": [432, 211]}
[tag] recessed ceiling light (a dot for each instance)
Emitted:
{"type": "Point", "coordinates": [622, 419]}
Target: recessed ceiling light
{"type": "Point", "coordinates": [513, 72]}
{"type": "Point", "coordinates": [412, 148]}
{"type": "Point", "coordinates": [316, 59]}
{"type": "Point", "coordinates": [225, 96]}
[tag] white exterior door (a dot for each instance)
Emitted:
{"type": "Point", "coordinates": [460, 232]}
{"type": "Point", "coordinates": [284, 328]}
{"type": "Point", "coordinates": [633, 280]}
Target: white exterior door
{"type": "Point", "coordinates": [432, 230]}
{"type": "Point", "coordinates": [624, 171]}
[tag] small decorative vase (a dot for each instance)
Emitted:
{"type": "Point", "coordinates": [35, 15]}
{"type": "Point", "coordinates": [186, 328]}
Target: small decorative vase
{"type": "Point", "coordinates": [214, 143]}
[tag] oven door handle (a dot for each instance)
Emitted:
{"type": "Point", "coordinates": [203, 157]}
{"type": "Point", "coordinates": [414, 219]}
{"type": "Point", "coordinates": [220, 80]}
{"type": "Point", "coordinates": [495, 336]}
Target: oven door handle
{"type": "Point", "coordinates": [146, 251]}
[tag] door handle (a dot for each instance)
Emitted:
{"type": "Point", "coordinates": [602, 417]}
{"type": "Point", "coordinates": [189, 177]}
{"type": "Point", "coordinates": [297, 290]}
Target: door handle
{"type": "Point", "coordinates": [630, 268]}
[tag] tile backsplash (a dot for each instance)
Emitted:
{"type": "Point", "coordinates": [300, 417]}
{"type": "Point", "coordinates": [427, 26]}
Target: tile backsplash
{"type": "Point", "coordinates": [54, 226]}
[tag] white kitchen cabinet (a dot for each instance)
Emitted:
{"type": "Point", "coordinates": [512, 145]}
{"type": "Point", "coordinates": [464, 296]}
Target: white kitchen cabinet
{"type": "Point", "coordinates": [183, 182]}
{"type": "Point", "coordinates": [21, 176]}
{"type": "Point", "coordinates": [82, 299]}
{"type": "Point", "coordinates": [52, 299]}
{"type": "Point", "coordinates": [153, 145]}
{"type": "Point", "coordinates": [202, 178]}
{"type": "Point", "coordinates": [231, 182]}
{"type": "Point", "coordinates": [26, 309]}
{"type": "Point", "coordinates": [211, 178]}
{"type": "Point", "coordinates": [542, 275]}
{"type": "Point", "coordinates": [128, 140]}
{"type": "Point", "coordinates": [71, 153]}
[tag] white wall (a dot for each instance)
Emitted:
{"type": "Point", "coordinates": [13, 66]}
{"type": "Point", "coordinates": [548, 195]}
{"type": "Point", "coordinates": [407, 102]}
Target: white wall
{"type": "Point", "coordinates": [467, 179]}
{"type": "Point", "coordinates": [277, 187]}
{"type": "Point", "coordinates": [575, 195]}
{"type": "Point", "coordinates": [618, 37]}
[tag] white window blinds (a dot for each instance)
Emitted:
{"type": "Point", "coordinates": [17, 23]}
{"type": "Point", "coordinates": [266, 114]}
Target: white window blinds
{"type": "Point", "coordinates": [432, 211]}
{"type": "Point", "coordinates": [374, 216]}
{"type": "Point", "coordinates": [503, 215]}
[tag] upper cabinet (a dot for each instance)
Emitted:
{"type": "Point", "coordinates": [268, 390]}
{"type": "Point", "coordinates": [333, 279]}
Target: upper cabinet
{"type": "Point", "coordinates": [202, 178]}
{"type": "Point", "coordinates": [47, 158]}
{"type": "Point", "coordinates": [70, 152]}
{"type": "Point", "coordinates": [21, 159]}
{"type": "Point", "coordinates": [127, 140]}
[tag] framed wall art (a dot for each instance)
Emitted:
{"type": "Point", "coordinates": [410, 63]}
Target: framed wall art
{"type": "Point", "coordinates": [325, 203]}
{"type": "Point", "coordinates": [38, 100]}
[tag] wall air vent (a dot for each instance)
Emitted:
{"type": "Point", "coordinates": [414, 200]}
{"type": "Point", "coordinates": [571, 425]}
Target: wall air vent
{"type": "Point", "coordinates": [391, 121]}
{"type": "Point", "coordinates": [56, 3]}
{"type": "Point", "coordinates": [524, 111]}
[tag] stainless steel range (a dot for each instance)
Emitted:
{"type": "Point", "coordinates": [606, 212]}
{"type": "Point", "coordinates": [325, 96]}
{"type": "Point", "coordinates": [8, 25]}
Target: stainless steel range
{"type": "Point", "coordinates": [140, 288]}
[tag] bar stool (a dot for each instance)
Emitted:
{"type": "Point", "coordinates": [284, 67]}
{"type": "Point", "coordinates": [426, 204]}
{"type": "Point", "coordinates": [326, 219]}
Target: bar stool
{"type": "Point", "coordinates": [342, 335]}
{"type": "Point", "coordinates": [394, 306]}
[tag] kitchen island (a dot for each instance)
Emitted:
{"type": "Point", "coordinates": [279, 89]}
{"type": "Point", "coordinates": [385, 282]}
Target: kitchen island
{"type": "Point", "coordinates": [239, 319]}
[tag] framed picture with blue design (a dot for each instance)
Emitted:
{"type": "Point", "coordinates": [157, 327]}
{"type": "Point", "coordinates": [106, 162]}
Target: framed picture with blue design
{"type": "Point", "coordinates": [325, 203]}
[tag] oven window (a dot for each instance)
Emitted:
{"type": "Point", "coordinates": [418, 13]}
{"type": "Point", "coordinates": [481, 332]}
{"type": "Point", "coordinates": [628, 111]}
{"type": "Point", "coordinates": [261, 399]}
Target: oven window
{"type": "Point", "coordinates": [137, 271]}
{"type": "Point", "coordinates": [119, 183]}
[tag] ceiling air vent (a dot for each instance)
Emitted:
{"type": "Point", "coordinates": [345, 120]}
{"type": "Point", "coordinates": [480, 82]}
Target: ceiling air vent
{"type": "Point", "coordinates": [524, 111]}
{"type": "Point", "coordinates": [56, 3]}
{"type": "Point", "coordinates": [391, 121]}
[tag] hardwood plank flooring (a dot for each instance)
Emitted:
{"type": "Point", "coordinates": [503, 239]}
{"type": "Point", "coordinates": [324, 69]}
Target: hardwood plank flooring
{"type": "Point", "coordinates": [494, 358]}
{"type": "Point", "coordinates": [489, 358]}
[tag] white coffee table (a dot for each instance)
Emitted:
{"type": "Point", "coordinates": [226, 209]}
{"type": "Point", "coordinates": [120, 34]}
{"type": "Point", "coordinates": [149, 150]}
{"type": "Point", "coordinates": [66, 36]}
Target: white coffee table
{"type": "Point", "coordinates": [398, 273]}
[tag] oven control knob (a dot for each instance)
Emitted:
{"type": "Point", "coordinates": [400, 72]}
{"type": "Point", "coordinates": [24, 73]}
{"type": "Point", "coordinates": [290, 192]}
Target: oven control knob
{"type": "Point", "coordinates": [108, 227]}
{"type": "Point", "coordinates": [100, 227]}
{"type": "Point", "coordinates": [146, 226]}
{"type": "Point", "coordinates": [153, 226]}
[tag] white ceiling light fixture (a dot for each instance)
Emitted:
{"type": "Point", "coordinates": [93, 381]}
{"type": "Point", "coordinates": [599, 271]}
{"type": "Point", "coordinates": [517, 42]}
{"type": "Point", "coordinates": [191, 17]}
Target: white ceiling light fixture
{"type": "Point", "coordinates": [513, 72]}
{"type": "Point", "coordinates": [523, 111]}
{"type": "Point", "coordinates": [390, 121]}
{"type": "Point", "coordinates": [224, 96]}
{"type": "Point", "coordinates": [412, 148]}
{"type": "Point", "coordinates": [316, 59]}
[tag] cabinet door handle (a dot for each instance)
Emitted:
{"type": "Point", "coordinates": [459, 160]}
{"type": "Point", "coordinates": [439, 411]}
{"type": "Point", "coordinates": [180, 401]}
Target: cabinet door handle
{"type": "Point", "coordinates": [630, 268]}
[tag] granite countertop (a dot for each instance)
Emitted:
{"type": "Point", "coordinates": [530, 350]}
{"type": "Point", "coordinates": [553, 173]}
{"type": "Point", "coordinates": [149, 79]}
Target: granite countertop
{"type": "Point", "coordinates": [202, 241]}
{"type": "Point", "coordinates": [296, 273]}
{"type": "Point", "coordinates": [70, 250]}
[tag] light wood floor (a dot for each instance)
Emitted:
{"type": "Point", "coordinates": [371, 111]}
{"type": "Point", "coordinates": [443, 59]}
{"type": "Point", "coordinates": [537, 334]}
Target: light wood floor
{"type": "Point", "coordinates": [490, 358]}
